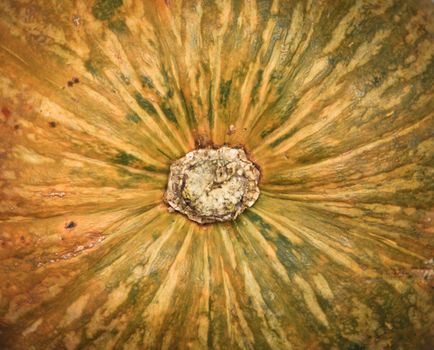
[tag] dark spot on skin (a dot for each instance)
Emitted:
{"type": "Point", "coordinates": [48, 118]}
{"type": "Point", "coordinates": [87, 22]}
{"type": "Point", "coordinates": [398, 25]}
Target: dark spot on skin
{"type": "Point", "coordinates": [70, 225]}
{"type": "Point", "coordinates": [52, 124]}
{"type": "Point", "coordinates": [74, 80]}
{"type": "Point", "coordinates": [22, 238]}
{"type": "Point", "coordinates": [6, 112]}
{"type": "Point", "coordinates": [17, 126]}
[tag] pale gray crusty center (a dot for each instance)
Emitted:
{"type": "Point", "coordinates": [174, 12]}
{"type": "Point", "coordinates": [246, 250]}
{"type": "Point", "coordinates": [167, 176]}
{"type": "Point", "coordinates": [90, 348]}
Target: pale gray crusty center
{"type": "Point", "coordinates": [210, 185]}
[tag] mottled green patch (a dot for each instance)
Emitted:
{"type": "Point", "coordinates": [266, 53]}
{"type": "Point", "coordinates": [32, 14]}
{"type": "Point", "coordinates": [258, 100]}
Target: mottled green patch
{"type": "Point", "coordinates": [210, 107]}
{"type": "Point", "coordinates": [133, 117]}
{"type": "Point", "coordinates": [259, 77]}
{"type": "Point", "coordinates": [284, 246]}
{"type": "Point", "coordinates": [276, 76]}
{"type": "Point", "coordinates": [377, 78]}
{"type": "Point", "coordinates": [91, 67]}
{"type": "Point", "coordinates": [105, 9]}
{"type": "Point", "coordinates": [266, 132]}
{"type": "Point", "coordinates": [130, 179]}
{"type": "Point", "coordinates": [355, 346]}
{"type": "Point", "coordinates": [150, 168]}
{"type": "Point", "coordinates": [189, 110]}
{"type": "Point", "coordinates": [125, 79]}
{"type": "Point", "coordinates": [169, 113]}
{"type": "Point", "coordinates": [263, 227]}
{"type": "Point", "coordinates": [145, 104]}
{"type": "Point", "coordinates": [133, 294]}
{"type": "Point", "coordinates": [166, 78]}
{"type": "Point", "coordinates": [125, 158]}
{"type": "Point", "coordinates": [276, 36]}
{"type": "Point", "coordinates": [263, 8]}
{"type": "Point", "coordinates": [315, 153]}
{"type": "Point", "coordinates": [290, 107]}
{"type": "Point", "coordinates": [118, 27]}
{"type": "Point", "coordinates": [147, 82]}
{"type": "Point", "coordinates": [164, 154]}
{"type": "Point", "coordinates": [326, 305]}
{"type": "Point", "coordinates": [279, 140]}
{"type": "Point", "coordinates": [283, 137]}
{"type": "Point", "coordinates": [225, 89]}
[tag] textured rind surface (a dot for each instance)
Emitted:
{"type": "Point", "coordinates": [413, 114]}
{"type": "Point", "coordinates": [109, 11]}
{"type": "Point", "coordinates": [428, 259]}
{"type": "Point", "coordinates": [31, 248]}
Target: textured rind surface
{"type": "Point", "coordinates": [212, 185]}
{"type": "Point", "coordinates": [334, 101]}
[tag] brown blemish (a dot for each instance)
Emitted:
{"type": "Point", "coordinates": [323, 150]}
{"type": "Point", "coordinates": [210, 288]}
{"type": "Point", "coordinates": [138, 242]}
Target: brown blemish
{"type": "Point", "coordinates": [6, 112]}
{"type": "Point", "coordinates": [52, 124]}
{"type": "Point", "coordinates": [74, 80]}
{"type": "Point", "coordinates": [199, 142]}
{"type": "Point", "coordinates": [70, 225]}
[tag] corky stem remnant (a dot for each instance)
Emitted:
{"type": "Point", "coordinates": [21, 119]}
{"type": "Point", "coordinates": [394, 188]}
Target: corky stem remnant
{"type": "Point", "coordinates": [212, 185]}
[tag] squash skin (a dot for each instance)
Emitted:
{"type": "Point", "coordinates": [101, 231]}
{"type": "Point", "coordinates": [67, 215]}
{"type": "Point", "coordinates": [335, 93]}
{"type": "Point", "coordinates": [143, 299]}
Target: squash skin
{"type": "Point", "coordinates": [333, 100]}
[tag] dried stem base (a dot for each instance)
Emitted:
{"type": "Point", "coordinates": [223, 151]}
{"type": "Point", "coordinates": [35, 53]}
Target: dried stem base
{"type": "Point", "coordinates": [213, 185]}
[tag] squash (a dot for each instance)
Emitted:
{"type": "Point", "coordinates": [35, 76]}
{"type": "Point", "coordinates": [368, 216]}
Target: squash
{"type": "Point", "coordinates": [332, 100]}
